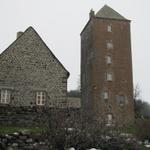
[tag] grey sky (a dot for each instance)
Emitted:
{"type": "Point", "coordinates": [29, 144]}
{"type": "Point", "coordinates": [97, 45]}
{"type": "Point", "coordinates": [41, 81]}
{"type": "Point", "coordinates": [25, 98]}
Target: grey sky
{"type": "Point", "coordinates": [59, 23]}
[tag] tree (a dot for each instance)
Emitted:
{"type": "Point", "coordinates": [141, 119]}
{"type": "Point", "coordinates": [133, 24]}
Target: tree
{"type": "Point", "coordinates": [142, 108]}
{"type": "Point", "coordinates": [74, 93]}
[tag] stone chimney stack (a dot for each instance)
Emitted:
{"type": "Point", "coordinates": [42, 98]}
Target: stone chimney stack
{"type": "Point", "coordinates": [92, 13]}
{"type": "Point", "coordinates": [19, 34]}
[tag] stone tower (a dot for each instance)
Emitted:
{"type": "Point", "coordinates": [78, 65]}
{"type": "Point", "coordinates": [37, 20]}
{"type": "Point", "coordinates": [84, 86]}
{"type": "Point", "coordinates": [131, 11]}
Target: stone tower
{"type": "Point", "coordinates": [106, 69]}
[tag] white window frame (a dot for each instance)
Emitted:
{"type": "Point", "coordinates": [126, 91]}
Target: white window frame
{"type": "Point", "coordinates": [109, 45]}
{"type": "Point", "coordinates": [40, 98]}
{"type": "Point", "coordinates": [109, 77]}
{"type": "Point", "coordinates": [109, 120]}
{"type": "Point", "coordinates": [109, 28]}
{"type": "Point", "coordinates": [105, 95]}
{"type": "Point", "coordinates": [5, 96]}
{"type": "Point", "coordinates": [108, 60]}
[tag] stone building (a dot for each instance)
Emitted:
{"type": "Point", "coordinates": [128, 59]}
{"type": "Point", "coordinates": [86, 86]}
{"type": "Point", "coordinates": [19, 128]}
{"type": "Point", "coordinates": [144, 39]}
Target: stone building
{"type": "Point", "coordinates": [30, 74]}
{"type": "Point", "coordinates": [106, 68]}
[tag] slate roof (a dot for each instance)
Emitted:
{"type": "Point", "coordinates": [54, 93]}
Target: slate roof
{"type": "Point", "coordinates": [107, 12]}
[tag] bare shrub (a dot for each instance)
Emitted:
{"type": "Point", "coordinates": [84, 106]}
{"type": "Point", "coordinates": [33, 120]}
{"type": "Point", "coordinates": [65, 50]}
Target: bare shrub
{"type": "Point", "coordinates": [143, 128]}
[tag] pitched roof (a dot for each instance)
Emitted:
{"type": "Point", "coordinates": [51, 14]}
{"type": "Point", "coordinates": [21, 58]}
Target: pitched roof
{"type": "Point", "coordinates": [30, 30]}
{"type": "Point", "coordinates": [107, 12]}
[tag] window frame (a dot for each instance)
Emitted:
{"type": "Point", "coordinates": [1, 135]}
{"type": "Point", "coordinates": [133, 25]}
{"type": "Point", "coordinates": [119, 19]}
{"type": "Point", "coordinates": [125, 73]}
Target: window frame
{"type": "Point", "coordinates": [109, 44]}
{"type": "Point", "coordinates": [105, 95]}
{"type": "Point", "coordinates": [122, 100]}
{"type": "Point", "coordinates": [109, 120]}
{"type": "Point", "coordinates": [41, 98]}
{"type": "Point", "coordinates": [5, 96]}
{"type": "Point", "coordinates": [109, 76]}
{"type": "Point", "coordinates": [108, 59]}
{"type": "Point", "coordinates": [109, 28]}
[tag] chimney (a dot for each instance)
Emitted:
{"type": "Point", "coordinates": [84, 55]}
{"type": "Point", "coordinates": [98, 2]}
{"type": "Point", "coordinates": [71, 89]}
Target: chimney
{"type": "Point", "coordinates": [92, 13]}
{"type": "Point", "coordinates": [19, 34]}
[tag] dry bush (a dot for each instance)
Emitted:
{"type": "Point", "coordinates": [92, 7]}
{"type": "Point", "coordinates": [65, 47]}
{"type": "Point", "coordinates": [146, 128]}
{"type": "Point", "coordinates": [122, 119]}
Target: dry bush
{"type": "Point", "coordinates": [143, 129]}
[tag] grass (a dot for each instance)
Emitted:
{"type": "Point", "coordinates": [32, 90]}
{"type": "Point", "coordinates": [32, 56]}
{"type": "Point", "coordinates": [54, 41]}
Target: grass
{"type": "Point", "coordinates": [130, 130]}
{"type": "Point", "coordinates": [134, 130]}
{"type": "Point", "coordinates": [32, 130]}
{"type": "Point", "coordinates": [144, 148]}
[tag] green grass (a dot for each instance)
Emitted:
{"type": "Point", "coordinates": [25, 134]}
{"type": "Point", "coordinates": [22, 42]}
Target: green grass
{"type": "Point", "coordinates": [130, 130]}
{"type": "Point", "coordinates": [142, 147]}
{"type": "Point", "coordinates": [32, 130]}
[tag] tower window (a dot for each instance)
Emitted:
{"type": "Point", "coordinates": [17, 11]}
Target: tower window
{"type": "Point", "coordinates": [121, 100]}
{"type": "Point", "coordinates": [40, 98]}
{"type": "Point", "coordinates": [105, 95]}
{"type": "Point", "coordinates": [109, 76]}
{"type": "Point", "coordinates": [109, 45]}
{"type": "Point", "coordinates": [109, 28]}
{"type": "Point", "coordinates": [108, 60]}
{"type": "Point", "coordinates": [109, 120]}
{"type": "Point", "coordinates": [5, 96]}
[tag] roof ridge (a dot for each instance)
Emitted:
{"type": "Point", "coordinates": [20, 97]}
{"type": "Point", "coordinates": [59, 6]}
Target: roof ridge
{"type": "Point", "coordinates": [30, 28]}
{"type": "Point", "coordinates": [107, 12]}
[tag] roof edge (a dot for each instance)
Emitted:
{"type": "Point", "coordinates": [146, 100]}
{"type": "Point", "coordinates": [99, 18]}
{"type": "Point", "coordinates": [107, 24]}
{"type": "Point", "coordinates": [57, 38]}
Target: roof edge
{"type": "Point", "coordinates": [15, 40]}
{"type": "Point", "coordinates": [68, 74]}
{"type": "Point", "coordinates": [108, 12]}
{"type": "Point", "coordinates": [85, 26]}
{"type": "Point", "coordinates": [126, 20]}
{"type": "Point", "coordinates": [30, 27]}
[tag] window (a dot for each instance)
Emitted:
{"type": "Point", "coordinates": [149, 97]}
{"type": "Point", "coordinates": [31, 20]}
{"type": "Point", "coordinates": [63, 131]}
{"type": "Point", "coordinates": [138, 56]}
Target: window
{"type": "Point", "coordinates": [109, 28]}
{"type": "Point", "coordinates": [121, 100]}
{"type": "Point", "coordinates": [109, 77]}
{"type": "Point", "coordinates": [105, 95]}
{"type": "Point", "coordinates": [109, 120]}
{"type": "Point", "coordinates": [108, 60]}
{"type": "Point", "coordinates": [5, 96]}
{"type": "Point", "coordinates": [40, 98]}
{"type": "Point", "coordinates": [109, 45]}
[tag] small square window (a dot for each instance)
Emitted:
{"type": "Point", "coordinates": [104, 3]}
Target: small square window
{"type": "Point", "coordinates": [43, 102]}
{"type": "Point", "coordinates": [109, 45]}
{"type": "Point", "coordinates": [38, 102]}
{"type": "Point", "coordinates": [109, 28]}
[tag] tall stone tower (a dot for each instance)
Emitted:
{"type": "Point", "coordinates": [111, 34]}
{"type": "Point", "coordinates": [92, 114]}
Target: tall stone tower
{"type": "Point", "coordinates": [106, 69]}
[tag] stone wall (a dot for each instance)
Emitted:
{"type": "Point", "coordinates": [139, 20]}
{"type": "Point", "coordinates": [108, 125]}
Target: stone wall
{"type": "Point", "coordinates": [23, 141]}
{"type": "Point", "coordinates": [28, 66]}
{"type": "Point", "coordinates": [39, 117]}
{"type": "Point", "coordinates": [23, 116]}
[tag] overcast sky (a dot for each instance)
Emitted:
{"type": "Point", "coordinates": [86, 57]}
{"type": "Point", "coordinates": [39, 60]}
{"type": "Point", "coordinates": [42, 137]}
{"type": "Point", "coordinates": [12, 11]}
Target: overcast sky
{"type": "Point", "coordinates": [59, 23]}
